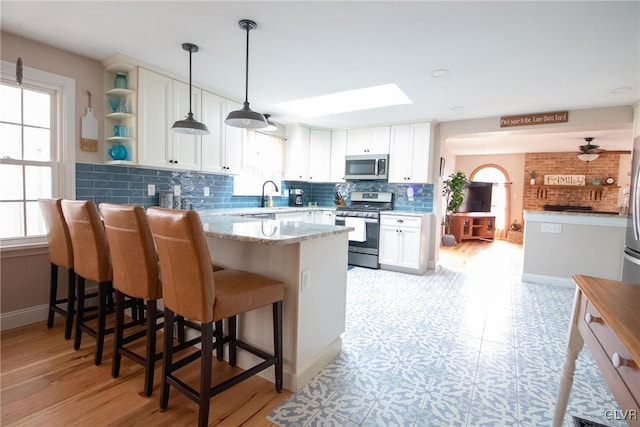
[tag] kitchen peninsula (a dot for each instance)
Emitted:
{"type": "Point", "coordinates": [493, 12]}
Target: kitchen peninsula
{"type": "Point", "coordinates": [311, 259]}
{"type": "Point", "coordinates": [558, 245]}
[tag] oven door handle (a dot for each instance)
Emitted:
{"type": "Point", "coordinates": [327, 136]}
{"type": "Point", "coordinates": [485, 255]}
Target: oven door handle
{"type": "Point", "coordinates": [367, 220]}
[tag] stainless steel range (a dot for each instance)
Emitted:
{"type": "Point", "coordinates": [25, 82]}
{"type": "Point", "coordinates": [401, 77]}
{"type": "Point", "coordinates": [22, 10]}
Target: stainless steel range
{"type": "Point", "coordinates": [364, 216]}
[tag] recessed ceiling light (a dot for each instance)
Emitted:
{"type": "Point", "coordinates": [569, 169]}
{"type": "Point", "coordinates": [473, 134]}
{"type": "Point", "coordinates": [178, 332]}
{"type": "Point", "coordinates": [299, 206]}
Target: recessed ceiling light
{"type": "Point", "coordinates": [351, 100]}
{"type": "Point", "coordinates": [440, 72]}
{"type": "Point", "coordinates": [457, 108]}
{"type": "Point", "coordinates": [621, 89]}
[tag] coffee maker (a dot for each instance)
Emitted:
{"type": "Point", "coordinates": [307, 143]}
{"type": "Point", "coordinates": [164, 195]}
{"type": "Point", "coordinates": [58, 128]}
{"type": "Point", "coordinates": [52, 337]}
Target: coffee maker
{"type": "Point", "coordinates": [296, 197]}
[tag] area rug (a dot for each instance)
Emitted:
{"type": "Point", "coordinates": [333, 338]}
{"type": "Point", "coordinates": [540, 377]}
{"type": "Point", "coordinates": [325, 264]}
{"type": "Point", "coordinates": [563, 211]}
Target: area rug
{"type": "Point", "coordinates": [581, 422]}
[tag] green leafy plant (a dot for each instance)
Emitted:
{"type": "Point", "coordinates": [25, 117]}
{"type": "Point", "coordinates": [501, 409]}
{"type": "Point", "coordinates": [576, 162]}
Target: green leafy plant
{"type": "Point", "coordinates": [453, 191]}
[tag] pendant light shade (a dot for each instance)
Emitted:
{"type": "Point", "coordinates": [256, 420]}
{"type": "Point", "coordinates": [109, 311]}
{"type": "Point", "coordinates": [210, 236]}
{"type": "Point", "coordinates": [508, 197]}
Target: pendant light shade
{"type": "Point", "coordinates": [270, 125]}
{"type": "Point", "coordinates": [190, 125]}
{"type": "Point", "coordinates": [246, 117]}
{"type": "Point", "coordinates": [587, 157]}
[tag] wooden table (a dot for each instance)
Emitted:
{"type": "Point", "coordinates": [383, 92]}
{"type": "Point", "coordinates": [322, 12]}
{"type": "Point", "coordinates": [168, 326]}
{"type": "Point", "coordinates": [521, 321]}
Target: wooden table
{"type": "Point", "coordinates": [606, 316]}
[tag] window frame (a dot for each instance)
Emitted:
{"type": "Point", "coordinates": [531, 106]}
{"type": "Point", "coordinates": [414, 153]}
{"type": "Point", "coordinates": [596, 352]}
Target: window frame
{"type": "Point", "coordinates": [63, 127]}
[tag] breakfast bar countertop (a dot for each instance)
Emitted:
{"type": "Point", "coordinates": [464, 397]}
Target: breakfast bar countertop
{"type": "Point", "coordinates": [267, 231]}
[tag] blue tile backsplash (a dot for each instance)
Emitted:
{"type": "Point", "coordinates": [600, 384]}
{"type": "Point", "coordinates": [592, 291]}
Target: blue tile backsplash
{"type": "Point", "coordinates": [121, 184]}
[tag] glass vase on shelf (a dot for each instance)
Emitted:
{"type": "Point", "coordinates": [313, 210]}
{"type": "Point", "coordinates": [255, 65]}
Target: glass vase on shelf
{"type": "Point", "coordinates": [122, 106]}
{"type": "Point", "coordinates": [114, 102]}
{"type": "Point", "coordinates": [120, 81]}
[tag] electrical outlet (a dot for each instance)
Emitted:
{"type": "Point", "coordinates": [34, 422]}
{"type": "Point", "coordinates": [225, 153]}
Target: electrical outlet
{"type": "Point", "coordinates": [305, 283]}
{"type": "Point", "coordinates": [176, 190]}
{"type": "Point", "coordinates": [206, 191]}
{"type": "Point", "coordinates": [551, 228]}
{"type": "Point", "coordinates": [151, 190]}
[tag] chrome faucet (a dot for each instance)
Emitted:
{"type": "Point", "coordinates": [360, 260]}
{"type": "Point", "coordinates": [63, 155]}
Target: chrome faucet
{"type": "Point", "coordinates": [262, 198]}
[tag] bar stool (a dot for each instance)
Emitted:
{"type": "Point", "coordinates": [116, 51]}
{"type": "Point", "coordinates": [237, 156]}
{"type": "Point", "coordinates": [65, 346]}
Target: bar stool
{"type": "Point", "coordinates": [91, 262]}
{"type": "Point", "coordinates": [135, 275]}
{"type": "Point", "coordinates": [190, 288]}
{"type": "Point", "coordinates": [60, 255]}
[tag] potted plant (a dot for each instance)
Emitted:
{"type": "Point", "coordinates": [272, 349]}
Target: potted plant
{"type": "Point", "coordinates": [453, 192]}
{"type": "Point", "coordinates": [532, 177]}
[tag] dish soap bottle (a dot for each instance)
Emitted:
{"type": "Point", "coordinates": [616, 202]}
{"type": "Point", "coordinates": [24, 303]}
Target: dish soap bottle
{"type": "Point", "coordinates": [270, 202]}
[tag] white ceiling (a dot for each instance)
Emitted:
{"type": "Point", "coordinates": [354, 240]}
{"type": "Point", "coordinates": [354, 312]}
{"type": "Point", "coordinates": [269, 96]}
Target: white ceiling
{"type": "Point", "coordinates": [504, 58]}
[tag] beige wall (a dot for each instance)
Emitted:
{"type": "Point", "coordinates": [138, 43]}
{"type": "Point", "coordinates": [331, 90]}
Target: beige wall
{"type": "Point", "coordinates": [24, 275]}
{"type": "Point", "coordinates": [513, 164]}
{"type": "Point", "coordinates": [87, 73]}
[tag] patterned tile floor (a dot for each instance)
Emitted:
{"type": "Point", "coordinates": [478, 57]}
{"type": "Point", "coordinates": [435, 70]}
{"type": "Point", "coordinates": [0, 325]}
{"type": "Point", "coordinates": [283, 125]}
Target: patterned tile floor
{"type": "Point", "coordinates": [468, 345]}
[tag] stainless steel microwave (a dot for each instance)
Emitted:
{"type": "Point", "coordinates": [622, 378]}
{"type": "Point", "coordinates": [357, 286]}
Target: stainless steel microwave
{"type": "Point", "coordinates": [367, 167]}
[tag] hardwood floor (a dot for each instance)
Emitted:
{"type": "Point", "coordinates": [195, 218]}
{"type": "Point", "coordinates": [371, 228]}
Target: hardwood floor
{"type": "Point", "coordinates": [45, 382]}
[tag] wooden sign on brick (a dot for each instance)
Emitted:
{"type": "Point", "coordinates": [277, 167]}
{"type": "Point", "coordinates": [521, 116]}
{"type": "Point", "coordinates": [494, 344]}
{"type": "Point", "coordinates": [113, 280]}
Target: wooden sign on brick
{"type": "Point", "coordinates": [564, 180]}
{"type": "Point", "coordinates": [534, 119]}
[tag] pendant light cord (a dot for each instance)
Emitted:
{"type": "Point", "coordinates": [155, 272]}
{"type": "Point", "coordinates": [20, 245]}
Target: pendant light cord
{"type": "Point", "coordinates": [190, 53]}
{"type": "Point", "coordinates": [246, 71]}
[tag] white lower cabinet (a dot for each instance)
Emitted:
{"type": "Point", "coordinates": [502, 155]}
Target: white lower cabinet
{"type": "Point", "coordinates": [403, 242]}
{"type": "Point", "coordinates": [291, 216]}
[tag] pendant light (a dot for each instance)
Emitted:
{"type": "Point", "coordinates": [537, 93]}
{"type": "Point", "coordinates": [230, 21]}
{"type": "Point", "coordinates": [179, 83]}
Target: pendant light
{"type": "Point", "coordinates": [190, 125]}
{"type": "Point", "coordinates": [270, 125]}
{"type": "Point", "coordinates": [246, 117]}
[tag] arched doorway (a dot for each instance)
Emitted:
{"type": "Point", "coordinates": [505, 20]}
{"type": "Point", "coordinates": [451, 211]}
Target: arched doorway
{"type": "Point", "coordinates": [499, 196]}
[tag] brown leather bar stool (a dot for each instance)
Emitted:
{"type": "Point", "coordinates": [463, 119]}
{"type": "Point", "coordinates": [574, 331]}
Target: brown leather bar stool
{"type": "Point", "coordinates": [91, 262]}
{"type": "Point", "coordinates": [135, 275]}
{"type": "Point", "coordinates": [190, 288]}
{"type": "Point", "coordinates": [60, 255]}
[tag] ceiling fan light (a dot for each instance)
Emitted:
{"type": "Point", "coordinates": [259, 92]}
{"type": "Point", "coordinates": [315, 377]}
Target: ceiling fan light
{"type": "Point", "coordinates": [246, 118]}
{"type": "Point", "coordinates": [587, 157]}
{"type": "Point", "coordinates": [270, 125]}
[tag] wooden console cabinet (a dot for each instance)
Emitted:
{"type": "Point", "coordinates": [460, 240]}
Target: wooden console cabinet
{"type": "Point", "coordinates": [473, 226]}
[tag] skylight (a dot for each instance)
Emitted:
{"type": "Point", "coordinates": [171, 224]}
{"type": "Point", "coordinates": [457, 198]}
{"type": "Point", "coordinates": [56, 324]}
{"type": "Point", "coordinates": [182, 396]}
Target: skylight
{"type": "Point", "coordinates": [351, 100]}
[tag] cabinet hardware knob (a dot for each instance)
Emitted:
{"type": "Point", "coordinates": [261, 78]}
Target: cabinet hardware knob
{"type": "Point", "coordinates": [400, 221]}
{"type": "Point", "coordinates": [589, 318]}
{"type": "Point", "coordinates": [618, 360]}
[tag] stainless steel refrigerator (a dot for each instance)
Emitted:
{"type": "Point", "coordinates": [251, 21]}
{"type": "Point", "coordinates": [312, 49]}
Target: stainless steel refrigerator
{"type": "Point", "coordinates": [631, 262]}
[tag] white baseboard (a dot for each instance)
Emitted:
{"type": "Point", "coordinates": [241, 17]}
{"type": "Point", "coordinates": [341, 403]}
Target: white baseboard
{"type": "Point", "coordinates": [23, 317]}
{"type": "Point", "coordinates": [29, 315]}
{"type": "Point", "coordinates": [548, 280]}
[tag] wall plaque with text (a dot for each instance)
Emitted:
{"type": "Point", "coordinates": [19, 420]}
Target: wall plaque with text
{"type": "Point", "coordinates": [564, 180]}
{"type": "Point", "coordinates": [534, 119]}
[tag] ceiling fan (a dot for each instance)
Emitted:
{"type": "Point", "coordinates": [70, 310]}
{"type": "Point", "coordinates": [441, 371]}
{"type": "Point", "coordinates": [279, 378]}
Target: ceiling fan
{"type": "Point", "coordinates": [590, 148]}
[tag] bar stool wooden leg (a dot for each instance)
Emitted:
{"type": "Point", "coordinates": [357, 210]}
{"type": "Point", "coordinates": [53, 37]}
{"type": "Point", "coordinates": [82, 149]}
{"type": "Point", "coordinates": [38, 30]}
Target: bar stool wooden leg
{"type": "Point", "coordinates": [118, 335]}
{"type": "Point", "coordinates": [233, 336]}
{"type": "Point", "coordinates": [105, 300]}
{"type": "Point", "coordinates": [53, 293]}
{"type": "Point", "coordinates": [218, 335]}
{"type": "Point", "coordinates": [167, 358]}
{"type": "Point", "coordinates": [205, 375]}
{"type": "Point", "coordinates": [71, 304]}
{"type": "Point", "coordinates": [277, 342]}
{"type": "Point", "coordinates": [152, 313]}
{"type": "Point", "coordinates": [80, 313]}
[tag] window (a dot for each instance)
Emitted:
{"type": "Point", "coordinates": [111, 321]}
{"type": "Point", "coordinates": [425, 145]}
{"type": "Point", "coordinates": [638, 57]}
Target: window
{"type": "Point", "coordinates": [33, 162]}
{"type": "Point", "coordinates": [263, 161]}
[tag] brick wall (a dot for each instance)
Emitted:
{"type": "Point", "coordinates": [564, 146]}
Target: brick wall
{"type": "Point", "coordinates": [601, 198]}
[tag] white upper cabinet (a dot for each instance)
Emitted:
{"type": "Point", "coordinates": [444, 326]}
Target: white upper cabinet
{"type": "Point", "coordinates": [338, 153]}
{"type": "Point", "coordinates": [185, 148]}
{"type": "Point", "coordinates": [163, 101]}
{"type": "Point", "coordinates": [308, 155]}
{"type": "Point", "coordinates": [297, 154]}
{"type": "Point", "coordinates": [374, 140]}
{"type": "Point", "coordinates": [319, 160]}
{"type": "Point", "coordinates": [222, 149]}
{"type": "Point", "coordinates": [155, 98]}
{"type": "Point", "coordinates": [409, 153]}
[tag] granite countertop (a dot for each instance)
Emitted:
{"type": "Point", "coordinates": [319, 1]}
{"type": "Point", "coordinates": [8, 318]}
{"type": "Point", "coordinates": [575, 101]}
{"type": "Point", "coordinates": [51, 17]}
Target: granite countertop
{"type": "Point", "coordinates": [405, 213]}
{"type": "Point", "coordinates": [580, 218]}
{"type": "Point", "coordinates": [267, 231]}
{"type": "Point", "coordinates": [258, 210]}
